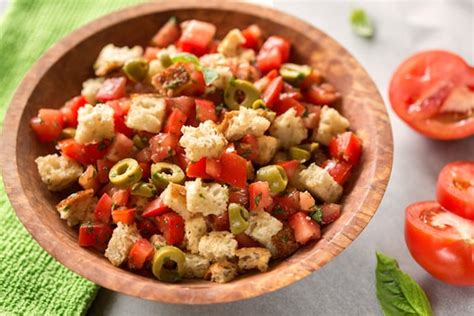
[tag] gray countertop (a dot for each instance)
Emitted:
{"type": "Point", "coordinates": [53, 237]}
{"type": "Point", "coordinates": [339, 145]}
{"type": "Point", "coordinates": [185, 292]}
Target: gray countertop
{"type": "Point", "coordinates": [346, 285]}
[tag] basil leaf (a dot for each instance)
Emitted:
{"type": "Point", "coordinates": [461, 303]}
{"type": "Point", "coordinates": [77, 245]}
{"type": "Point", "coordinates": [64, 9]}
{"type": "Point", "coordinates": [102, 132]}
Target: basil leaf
{"type": "Point", "coordinates": [361, 23]}
{"type": "Point", "coordinates": [397, 292]}
{"type": "Point", "coordinates": [186, 58]}
{"type": "Point", "coordinates": [210, 75]}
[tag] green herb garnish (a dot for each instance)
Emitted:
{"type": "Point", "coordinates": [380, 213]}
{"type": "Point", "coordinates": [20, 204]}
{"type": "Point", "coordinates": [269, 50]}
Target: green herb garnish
{"type": "Point", "coordinates": [361, 24]}
{"type": "Point", "coordinates": [317, 214]}
{"type": "Point", "coordinates": [258, 198]}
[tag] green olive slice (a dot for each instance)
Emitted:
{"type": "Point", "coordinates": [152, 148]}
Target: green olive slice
{"type": "Point", "coordinates": [125, 173]}
{"type": "Point", "coordinates": [136, 69]}
{"type": "Point", "coordinates": [294, 73]}
{"type": "Point", "coordinates": [168, 264]}
{"type": "Point", "coordinates": [162, 173]}
{"type": "Point", "coordinates": [143, 189]}
{"type": "Point", "coordinates": [139, 141]}
{"type": "Point", "coordinates": [259, 104]}
{"type": "Point", "coordinates": [238, 218]}
{"type": "Point", "coordinates": [275, 176]}
{"type": "Point", "coordinates": [165, 59]}
{"type": "Point", "coordinates": [299, 154]}
{"type": "Point", "coordinates": [240, 93]}
{"type": "Point", "coordinates": [311, 147]}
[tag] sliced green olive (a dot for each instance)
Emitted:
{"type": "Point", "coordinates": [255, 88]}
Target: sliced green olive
{"type": "Point", "coordinates": [275, 176]}
{"type": "Point", "coordinates": [68, 132]}
{"type": "Point", "coordinates": [165, 59]}
{"type": "Point", "coordinates": [238, 218]}
{"type": "Point", "coordinates": [168, 264]}
{"type": "Point", "coordinates": [294, 73]}
{"type": "Point", "coordinates": [240, 93]}
{"type": "Point", "coordinates": [140, 142]}
{"type": "Point", "coordinates": [143, 189]}
{"type": "Point", "coordinates": [259, 104]}
{"type": "Point", "coordinates": [136, 69]}
{"type": "Point", "coordinates": [125, 173]}
{"type": "Point", "coordinates": [312, 147]}
{"type": "Point", "coordinates": [162, 173]}
{"type": "Point", "coordinates": [299, 154]}
{"type": "Point", "coordinates": [280, 156]}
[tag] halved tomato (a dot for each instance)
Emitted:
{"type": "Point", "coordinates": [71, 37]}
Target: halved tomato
{"type": "Point", "coordinates": [432, 91]}
{"type": "Point", "coordinates": [455, 188]}
{"type": "Point", "coordinates": [441, 242]}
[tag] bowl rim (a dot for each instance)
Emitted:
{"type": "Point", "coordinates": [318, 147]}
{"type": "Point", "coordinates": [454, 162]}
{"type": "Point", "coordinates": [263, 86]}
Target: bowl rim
{"type": "Point", "coordinates": [254, 285]}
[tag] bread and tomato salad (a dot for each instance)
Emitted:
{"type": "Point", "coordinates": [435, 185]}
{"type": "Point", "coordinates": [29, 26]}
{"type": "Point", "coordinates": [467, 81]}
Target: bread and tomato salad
{"type": "Point", "coordinates": [197, 157]}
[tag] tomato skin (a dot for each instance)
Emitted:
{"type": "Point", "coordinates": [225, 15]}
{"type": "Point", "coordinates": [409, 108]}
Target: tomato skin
{"type": "Point", "coordinates": [346, 147]}
{"type": "Point", "coordinates": [196, 37]}
{"type": "Point", "coordinates": [163, 146]}
{"type": "Point", "coordinates": [103, 209]}
{"type": "Point", "coordinates": [262, 83]}
{"type": "Point", "coordinates": [94, 235]}
{"type": "Point", "coordinates": [272, 92]}
{"type": "Point", "coordinates": [219, 222]}
{"type": "Point", "coordinates": [287, 102]}
{"type": "Point", "coordinates": [441, 252]}
{"type": "Point", "coordinates": [150, 53]}
{"type": "Point", "coordinates": [172, 227]}
{"type": "Point", "coordinates": [274, 52]}
{"type": "Point", "coordinates": [120, 196]}
{"type": "Point", "coordinates": [155, 208]}
{"type": "Point", "coordinates": [339, 170]}
{"type": "Point", "coordinates": [245, 241]}
{"type": "Point", "coordinates": [247, 147]}
{"type": "Point", "coordinates": [455, 188]}
{"type": "Point", "coordinates": [167, 34]}
{"type": "Point", "coordinates": [70, 108]}
{"type": "Point", "coordinates": [126, 216]}
{"type": "Point", "coordinates": [112, 89]}
{"type": "Point", "coordinates": [175, 122]}
{"type": "Point", "coordinates": [47, 125]}
{"type": "Point", "coordinates": [213, 168]}
{"type": "Point", "coordinates": [140, 252]}
{"type": "Point", "coordinates": [420, 86]}
{"type": "Point", "coordinates": [253, 37]}
{"type": "Point", "coordinates": [205, 110]}
{"type": "Point", "coordinates": [239, 196]}
{"type": "Point", "coordinates": [119, 118]}
{"type": "Point", "coordinates": [121, 147]}
{"type": "Point", "coordinates": [71, 149]}
{"type": "Point", "coordinates": [304, 228]}
{"type": "Point", "coordinates": [197, 169]}
{"type": "Point", "coordinates": [234, 170]}
{"type": "Point", "coordinates": [259, 196]}
{"type": "Point", "coordinates": [103, 168]}
{"type": "Point", "coordinates": [291, 167]}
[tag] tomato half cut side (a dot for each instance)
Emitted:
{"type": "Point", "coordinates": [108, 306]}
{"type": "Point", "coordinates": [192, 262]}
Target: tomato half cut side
{"type": "Point", "coordinates": [432, 91]}
{"type": "Point", "coordinates": [455, 188]}
{"type": "Point", "coordinates": [441, 242]}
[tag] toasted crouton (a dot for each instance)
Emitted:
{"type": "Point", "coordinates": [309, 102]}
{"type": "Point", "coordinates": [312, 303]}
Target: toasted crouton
{"type": "Point", "coordinates": [195, 267]}
{"type": "Point", "coordinates": [267, 147]}
{"type": "Point", "coordinates": [194, 228]}
{"type": "Point", "coordinates": [222, 272]}
{"type": "Point", "coordinates": [331, 123]}
{"type": "Point", "coordinates": [202, 141]}
{"type": "Point", "coordinates": [158, 241]}
{"type": "Point", "coordinates": [112, 57]}
{"type": "Point", "coordinates": [262, 227]}
{"type": "Point", "coordinates": [146, 113]}
{"type": "Point", "coordinates": [206, 199]}
{"type": "Point", "coordinates": [289, 129]}
{"type": "Point", "coordinates": [58, 172]}
{"type": "Point", "coordinates": [95, 123]}
{"type": "Point", "coordinates": [253, 258]}
{"type": "Point", "coordinates": [174, 196]}
{"type": "Point", "coordinates": [230, 45]}
{"type": "Point", "coordinates": [74, 208]}
{"type": "Point", "coordinates": [283, 244]}
{"type": "Point", "coordinates": [320, 183]}
{"type": "Point", "coordinates": [218, 246]}
{"type": "Point", "coordinates": [90, 87]}
{"type": "Point", "coordinates": [237, 124]}
{"type": "Point", "coordinates": [123, 238]}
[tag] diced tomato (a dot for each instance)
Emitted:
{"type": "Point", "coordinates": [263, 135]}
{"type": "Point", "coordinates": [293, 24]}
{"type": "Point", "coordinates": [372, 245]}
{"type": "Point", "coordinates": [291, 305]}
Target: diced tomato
{"type": "Point", "coordinates": [219, 222]}
{"type": "Point", "coordinates": [197, 169]}
{"type": "Point", "coordinates": [140, 252]}
{"type": "Point", "coordinates": [259, 196]}
{"type": "Point", "coordinates": [151, 53]}
{"type": "Point", "coordinates": [73, 150]}
{"type": "Point", "coordinates": [120, 197]}
{"type": "Point", "coordinates": [286, 205]}
{"type": "Point", "coordinates": [245, 241]}
{"type": "Point", "coordinates": [47, 125]}
{"type": "Point", "coordinates": [119, 118]}
{"type": "Point", "coordinates": [285, 103]}
{"type": "Point", "coordinates": [167, 35]}
{"type": "Point", "coordinates": [144, 155]}
{"type": "Point", "coordinates": [339, 170]}
{"type": "Point", "coordinates": [304, 227]}
{"type": "Point", "coordinates": [121, 147]}
{"type": "Point", "coordinates": [239, 196]}
{"type": "Point", "coordinates": [213, 47]}
{"type": "Point", "coordinates": [213, 168]}
{"type": "Point", "coordinates": [311, 115]}
{"type": "Point", "coordinates": [262, 83]}
{"type": "Point", "coordinates": [96, 151]}
{"type": "Point", "coordinates": [234, 170]}
{"type": "Point", "coordinates": [103, 168]}
{"type": "Point", "coordinates": [89, 179]}
{"type": "Point", "coordinates": [291, 91]}
{"type": "Point", "coordinates": [196, 37]}
{"type": "Point", "coordinates": [172, 227]}
{"type": "Point", "coordinates": [330, 212]}
{"type": "Point", "coordinates": [253, 37]}
{"type": "Point", "coordinates": [175, 122]}
{"type": "Point", "coordinates": [145, 166]}
{"type": "Point", "coordinates": [205, 110]}
{"type": "Point", "coordinates": [314, 77]}
{"type": "Point", "coordinates": [272, 92]}
{"type": "Point", "coordinates": [307, 201]}
{"type": "Point", "coordinates": [147, 227]}
{"type": "Point", "coordinates": [112, 89]}
{"type": "Point", "coordinates": [155, 208]}
{"type": "Point", "coordinates": [347, 147]}
{"type": "Point", "coordinates": [163, 146]}
{"type": "Point", "coordinates": [70, 108]}
{"type": "Point", "coordinates": [291, 167]}
{"type": "Point", "coordinates": [94, 235]}
{"type": "Point", "coordinates": [274, 52]}
{"type": "Point", "coordinates": [196, 86]}
{"type": "Point", "coordinates": [103, 209]}
{"type": "Point", "coordinates": [126, 216]}
{"type": "Point", "coordinates": [180, 158]}
{"type": "Point", "coordinates": [324, 94]}
{"type": "Point", "coordinates": [247, 147]}
{"type": "Point", "coordinates": [183, 103]}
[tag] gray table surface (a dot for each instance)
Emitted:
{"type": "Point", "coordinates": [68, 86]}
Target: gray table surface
{"type": "Point", "coordinates": [346, 285]}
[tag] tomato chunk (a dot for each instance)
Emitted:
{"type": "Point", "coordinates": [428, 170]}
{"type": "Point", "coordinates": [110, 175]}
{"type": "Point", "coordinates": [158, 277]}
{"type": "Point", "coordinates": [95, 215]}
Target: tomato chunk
{"type": "Point", "coordinates": [330, 212]}
{"type": "Point", "coordinates": [219, 222]}
{"type": "Point", "coordinates": [272, 92]}
{"type": "Point", "coordinates": [259, 195]}
{"type": "Point", "coordinates": [286, 205]}
{"type": "Point", "coordinates": [239, 196]}
{"type": "Point", "coordinates": [196, 37]}
{"type": "Point", "coordinates": [172, 226]}
{"type": "Point", "coordinates": [70, 108]}
{"type": "Point", "coordinates": [121, 148]}
{"type": "Point", "coordinates": [47, 125]}
{"type": "Point", "coordinates": [234, 170]}
{"type": "Point", "coordinates": [140, 252]}
{"type": "Point", "coordinates": [175, 122]}
{"type": "Point", "coordinates": [274, 52]}
{"type": "Point", "coordinates": [126, 216]}
{"type": "Point", "coordinates": [72, 149]}
{"type": "Point", "coordinates": [120, 196]}
{"type": "Point", "coordinates": [245, 241]}
{"type": "Point", "coordinates": [197, 169]}
{"type": "Point", "coordinates": [103, 168]}
{"type": "Point", "coordinates": [205, 110]}
{"type": "Point", "coordinates": [339, 170]}
{"type": "Point", "coordinates": [167, 35]}
{"type": "Point", "coordinates": [103, 209]}
{"type": "Point", "coordinates": [286, 102]}
{"type": "Point", "coordinates": [253, 37]}
{"type": "Point", "coordinates": [304, 227]}
{"type": "Point", "coordinates": [347, 147]}
{"type": "Point", "coordinates": [94, 235]}
{"type": "Point", "coordinates": [112, 89]}
{"type": "Point", "coordinates": [155, 208]}
{"type": "Point", "coordinates": [291, 167]}
{"type": "Point", "coordinates": [163, 146]}
{"type": "Point", "coordinates": [247, 147]}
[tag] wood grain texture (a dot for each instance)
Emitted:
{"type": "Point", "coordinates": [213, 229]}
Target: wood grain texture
{"type": "Point", "coordinates": [58, 75]}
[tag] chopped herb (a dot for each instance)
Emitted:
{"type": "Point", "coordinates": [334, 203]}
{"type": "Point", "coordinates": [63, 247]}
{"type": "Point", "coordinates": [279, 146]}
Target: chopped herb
{"type": "Point", "coordinates": [258, 198]}
{"type": "Point", "coordinates": [187, 58]}
{"type": "Point", "coordinates": [114, 206]}
{"type": "Point", "coordinates": [361, 23]}
{"type": "Point", "coordinates": [219, 108]}
{"type": "Point", "coordinates": [202, 196]}
{"type": "Point", "coordinates": [170, 152]}
{"type": "Point", "coordinates": [278, 211]}
{"type": "Point", "coordinates": [284, 238]}
{"type": "Point", "coordinates": [306, 113]}
{"type": "Point", "coordinates": [317, 214]}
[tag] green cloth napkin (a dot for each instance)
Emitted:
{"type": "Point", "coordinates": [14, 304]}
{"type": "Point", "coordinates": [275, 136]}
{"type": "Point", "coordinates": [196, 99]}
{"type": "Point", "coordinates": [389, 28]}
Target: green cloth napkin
{"type": "Point", "coordinates": [31, 281]}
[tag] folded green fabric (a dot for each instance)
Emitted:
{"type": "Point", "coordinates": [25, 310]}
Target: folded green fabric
{"type": "Point", "coordinates": [31, 281]}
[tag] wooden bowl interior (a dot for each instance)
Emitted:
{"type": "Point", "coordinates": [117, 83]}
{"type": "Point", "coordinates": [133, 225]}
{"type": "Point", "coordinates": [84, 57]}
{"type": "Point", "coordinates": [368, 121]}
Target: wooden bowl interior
{"type": "Point", "coordinates": [361, 104]}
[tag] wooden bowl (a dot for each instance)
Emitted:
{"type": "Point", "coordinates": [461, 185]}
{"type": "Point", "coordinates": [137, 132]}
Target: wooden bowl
{"type": "Point", "coordinates": [58, 75]}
